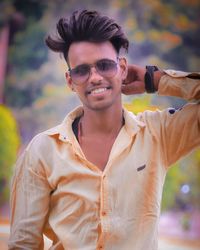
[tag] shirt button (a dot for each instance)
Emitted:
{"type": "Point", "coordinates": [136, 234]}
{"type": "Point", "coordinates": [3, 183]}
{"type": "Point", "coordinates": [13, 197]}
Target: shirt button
{"type": "Point", "coordinates": [103, 213]}
{"type": "Point", "coordinates": [100, 247]}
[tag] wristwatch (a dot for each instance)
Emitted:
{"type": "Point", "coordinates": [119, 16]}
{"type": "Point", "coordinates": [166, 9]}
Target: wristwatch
{"type": "Point", "coordinates": [149, 79]}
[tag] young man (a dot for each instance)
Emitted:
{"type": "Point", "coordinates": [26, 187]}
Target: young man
{"type": "Point", "coordinates": [95, 181]}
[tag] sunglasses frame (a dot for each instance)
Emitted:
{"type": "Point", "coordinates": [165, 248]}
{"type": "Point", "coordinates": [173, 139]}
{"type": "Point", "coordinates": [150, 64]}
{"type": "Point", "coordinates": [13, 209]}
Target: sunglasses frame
{"type": "Point", "coordinates": [96, 68]}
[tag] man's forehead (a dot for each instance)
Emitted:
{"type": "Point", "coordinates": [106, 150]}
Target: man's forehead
{"type": "Point", "coordinates": [89, 52]}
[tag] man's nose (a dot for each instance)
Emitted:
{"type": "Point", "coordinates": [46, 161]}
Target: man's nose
{"type": "Point", "coordinates": [95, 77]}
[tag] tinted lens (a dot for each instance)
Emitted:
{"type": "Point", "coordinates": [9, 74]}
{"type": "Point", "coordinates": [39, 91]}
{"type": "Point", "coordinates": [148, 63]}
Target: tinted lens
{"type": "Point", "coordinates": [106, 67]}
{"type": "Point", "coordinates": [80, 73]}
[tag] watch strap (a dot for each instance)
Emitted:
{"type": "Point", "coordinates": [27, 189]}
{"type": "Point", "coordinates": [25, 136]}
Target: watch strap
{"type": "Point", "coordinates": [149, 79]}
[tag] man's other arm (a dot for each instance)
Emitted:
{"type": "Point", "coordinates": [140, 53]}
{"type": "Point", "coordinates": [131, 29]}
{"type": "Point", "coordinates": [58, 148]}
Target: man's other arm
{"type": "Point", "coordinates": [30, 194]}
{"type": "Point", "coordinates": [177, 131]}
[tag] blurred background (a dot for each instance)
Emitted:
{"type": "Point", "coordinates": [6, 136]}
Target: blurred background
{"type": "Point", "coordinates": [34, 95]}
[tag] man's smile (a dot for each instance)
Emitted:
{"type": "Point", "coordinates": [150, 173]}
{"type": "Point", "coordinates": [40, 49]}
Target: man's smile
{"type": "Point", "coordinates": [100, 90]}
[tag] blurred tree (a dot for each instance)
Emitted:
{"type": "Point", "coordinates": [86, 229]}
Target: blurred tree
{"type": "Point", "coordinates": [167, 29]}
{"type": "Point", "coordinates": [182, 185]}
{"type": "Point", "coordinates": [174, 179]}
{"type": "Point", "coordinates": [7, 10]}
{"type": "Point", "coordinates": [191, 167]}
{"type": "Point", "coordinates": [31, 9]}
{"type": "Point", "coordinates": [27, 52]}
{"type": "Point", "coordinates": [9, 143]}
{"type": "Point", "coordinates": [25, 55]}
{"type": "Point", "coordinates": [140, 104]}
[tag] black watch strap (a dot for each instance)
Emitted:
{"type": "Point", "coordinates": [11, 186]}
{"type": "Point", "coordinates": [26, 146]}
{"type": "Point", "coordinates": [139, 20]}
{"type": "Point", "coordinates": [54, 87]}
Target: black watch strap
{"type": "Point", "coordinates": [149, 79]}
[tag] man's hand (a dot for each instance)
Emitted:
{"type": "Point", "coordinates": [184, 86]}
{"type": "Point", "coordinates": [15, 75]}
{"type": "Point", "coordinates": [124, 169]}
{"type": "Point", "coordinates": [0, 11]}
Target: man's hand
{"type": "Point", "coordinates": [134, 82]}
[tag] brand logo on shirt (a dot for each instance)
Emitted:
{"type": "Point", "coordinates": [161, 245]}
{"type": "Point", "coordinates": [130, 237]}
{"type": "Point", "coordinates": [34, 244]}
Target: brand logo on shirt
{"type": "Point", "coordinates": [141, 167]}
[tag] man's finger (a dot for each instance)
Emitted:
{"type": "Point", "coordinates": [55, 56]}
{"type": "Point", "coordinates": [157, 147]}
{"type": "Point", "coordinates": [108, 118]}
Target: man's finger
{"type": "Point", "coordinates": [136, 87]}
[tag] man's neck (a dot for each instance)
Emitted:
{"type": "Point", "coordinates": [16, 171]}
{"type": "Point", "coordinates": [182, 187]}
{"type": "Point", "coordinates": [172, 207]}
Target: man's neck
{"type": "Point", "coordinates": [102, 122]}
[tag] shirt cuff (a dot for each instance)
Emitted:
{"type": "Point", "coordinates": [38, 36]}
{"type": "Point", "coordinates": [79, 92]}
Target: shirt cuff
{"type": "Point", "coordinates": [180, 84]}
{"type": "Point", "coordinates": [179, 74]}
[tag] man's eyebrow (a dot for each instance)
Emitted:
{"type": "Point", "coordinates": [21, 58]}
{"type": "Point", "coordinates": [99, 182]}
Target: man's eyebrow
{"type": "Point", "coordinates": [82, 64]}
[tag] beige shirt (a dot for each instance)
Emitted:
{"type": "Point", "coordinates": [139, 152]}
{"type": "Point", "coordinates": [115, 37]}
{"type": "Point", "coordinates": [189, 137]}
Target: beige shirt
{"type": "Point", "coordinates": [56, 191]}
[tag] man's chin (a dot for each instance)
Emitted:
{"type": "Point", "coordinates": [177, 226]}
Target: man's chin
{"type": "Point", "coordinates": [100, 107]}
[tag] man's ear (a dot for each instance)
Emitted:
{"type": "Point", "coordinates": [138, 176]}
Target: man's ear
{"type": "Point", "coordinates": [69, 81]}
{"type": "Point", "coordinates": [124, 67]}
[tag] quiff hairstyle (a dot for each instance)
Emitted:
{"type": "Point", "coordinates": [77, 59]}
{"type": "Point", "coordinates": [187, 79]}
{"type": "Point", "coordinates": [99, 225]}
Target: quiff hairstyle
{"type": "Point", "coordinates": [88, 26]}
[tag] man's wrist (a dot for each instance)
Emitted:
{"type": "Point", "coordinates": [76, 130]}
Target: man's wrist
{"type": "Point", "coordinates": [150, 87]}
{"type": "Point", "coordinates": [157, 76]}
{"type": "Point", "coordinates": [152, 78]}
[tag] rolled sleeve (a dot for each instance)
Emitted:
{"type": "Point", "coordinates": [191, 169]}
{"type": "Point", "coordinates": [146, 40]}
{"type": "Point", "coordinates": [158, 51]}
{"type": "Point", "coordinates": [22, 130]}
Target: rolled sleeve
{"type": "Point", "coordinates": [180, 84]}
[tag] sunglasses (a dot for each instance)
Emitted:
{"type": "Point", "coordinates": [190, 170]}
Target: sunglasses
{"type": "Point", "coordinates": [105, 67]}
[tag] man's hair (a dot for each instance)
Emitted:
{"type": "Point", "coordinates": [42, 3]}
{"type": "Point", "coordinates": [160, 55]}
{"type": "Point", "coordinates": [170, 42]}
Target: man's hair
{"type": "Point", "coordinates": [88, 26]}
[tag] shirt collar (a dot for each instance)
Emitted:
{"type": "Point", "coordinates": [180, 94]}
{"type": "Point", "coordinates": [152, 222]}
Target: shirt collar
{"type": "Point", "coordinates": [64, 130]}
{"type": "Point", "coordinates": [66, 134]}
{"type": "Point", "coordinates": [132, 123]}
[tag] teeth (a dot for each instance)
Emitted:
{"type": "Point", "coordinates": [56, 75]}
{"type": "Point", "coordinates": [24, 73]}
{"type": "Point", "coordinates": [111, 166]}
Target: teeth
{"type": "Point", "coordinates": [100, 90]}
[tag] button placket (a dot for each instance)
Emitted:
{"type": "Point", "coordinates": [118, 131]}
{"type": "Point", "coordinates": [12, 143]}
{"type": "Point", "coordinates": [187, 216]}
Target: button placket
{"type": "Point", "coordinates": [104, 205]}
{"type": "Point", "coordinates": [103, 213]}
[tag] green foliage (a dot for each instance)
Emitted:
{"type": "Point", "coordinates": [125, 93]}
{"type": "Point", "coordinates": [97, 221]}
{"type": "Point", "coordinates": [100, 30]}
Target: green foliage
{"type": "Point", "coordinates": [9, 143]}
{"type": "Point", "coordinates": [140, 104]}
{"type": "Point", "coordinates": [30, 8]}
{"type": "Point", "coordinates": [167, 29]}
{"type": "Point", "coordinates": [26, 55]}
{"type": "Point", "coordinates": [28, 50]}
{"type": "Point", "coordinates": [7, 10]}
{"type": "Point", "coordinates": [175, 177]}
{"type": "Point", "coordinates": [191, 167]}
{"type": "Point", "coordinates": [186, 171]}
{"type": "Point", "coordinates": [21, 97]}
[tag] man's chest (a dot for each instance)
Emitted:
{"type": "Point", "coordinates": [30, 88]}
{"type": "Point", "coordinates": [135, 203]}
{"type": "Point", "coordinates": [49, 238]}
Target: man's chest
{"type": "Point", "coordinates": [97, 150]}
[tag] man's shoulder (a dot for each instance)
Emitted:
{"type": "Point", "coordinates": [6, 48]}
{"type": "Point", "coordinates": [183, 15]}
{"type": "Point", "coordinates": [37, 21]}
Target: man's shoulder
{"type": "Point", "coordinates": [43, 138]}
{"type": "Point", "coordinates": [141, 118]}
{"type": "Point", "coordinates": [62, 132]}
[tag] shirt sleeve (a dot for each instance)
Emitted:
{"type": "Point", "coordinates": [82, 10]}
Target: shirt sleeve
{"type": "Point", "coordinates": [30, 194]}
{"type": "Point", "coordinates": [177, 131]}
{"type": "Point", "coordinates": [180, 84]}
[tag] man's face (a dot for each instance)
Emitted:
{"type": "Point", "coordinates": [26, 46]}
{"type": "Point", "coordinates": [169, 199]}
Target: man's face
{"type": "Point", "coordinates": [97, 92]}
